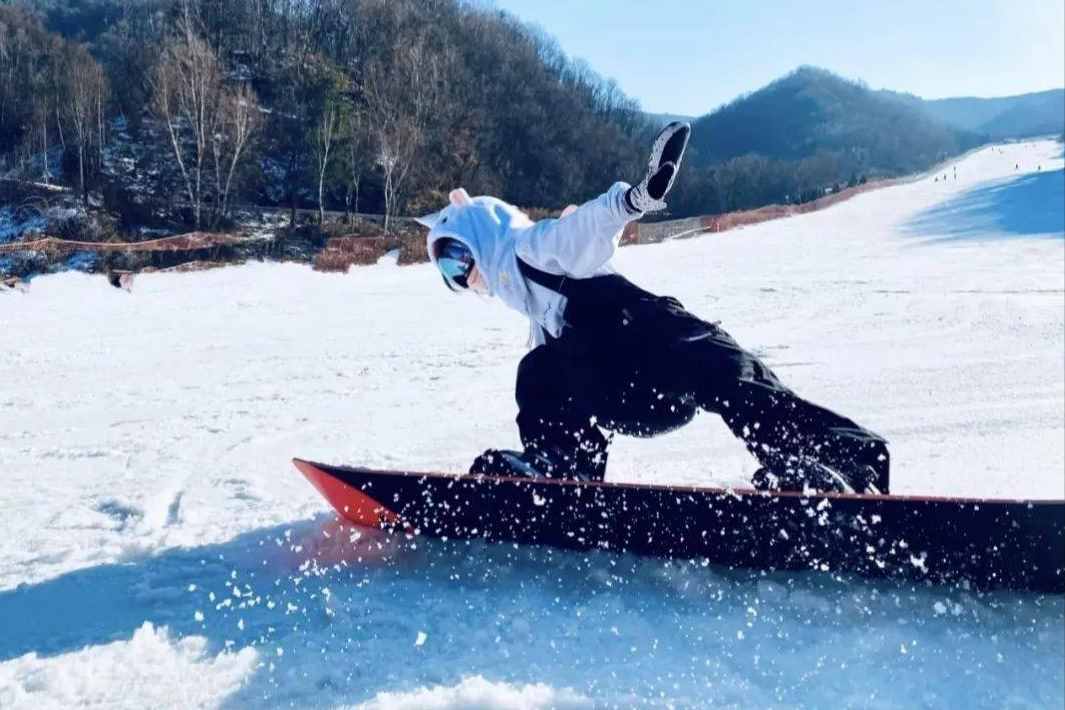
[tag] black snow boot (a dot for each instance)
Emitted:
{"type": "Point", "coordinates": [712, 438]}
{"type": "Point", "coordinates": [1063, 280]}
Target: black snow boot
{"type": "Point", "coordinates": [765, 480]}
{"type": "Point", "coordinates": [530, 464]}
{"type": "Point", "coordinates": [819, 478]}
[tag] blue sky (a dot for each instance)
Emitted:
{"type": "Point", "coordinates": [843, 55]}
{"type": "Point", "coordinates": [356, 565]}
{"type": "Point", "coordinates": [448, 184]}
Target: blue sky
{"type": "Point", "coordinates": [690, 56]}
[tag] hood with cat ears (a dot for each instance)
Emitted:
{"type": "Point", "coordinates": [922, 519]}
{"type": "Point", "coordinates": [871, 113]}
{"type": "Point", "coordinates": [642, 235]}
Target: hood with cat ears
{"type": "Point", "coordinates": [462, 226]}
{"type": "Point", "coordinates": [457, 197]}
{"type": "Point", "coordinates": [484, 225]}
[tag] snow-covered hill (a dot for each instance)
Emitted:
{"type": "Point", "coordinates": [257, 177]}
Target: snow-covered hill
{"type": "Point", "coordinates": [145, 440]}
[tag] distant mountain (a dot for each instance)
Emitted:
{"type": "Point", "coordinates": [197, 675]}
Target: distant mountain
{"type": "Point", "coordinates": [1019, 116]}
{"type": "Point", "coordinates": [806, 134]}
{"type": "Point", "coordinates": [968, 114]}
{"type": "Point", "coordinates": [812, 111]}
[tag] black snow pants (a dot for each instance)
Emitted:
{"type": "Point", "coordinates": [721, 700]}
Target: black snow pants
{"type": "Point", "coordinates": [638, 364]}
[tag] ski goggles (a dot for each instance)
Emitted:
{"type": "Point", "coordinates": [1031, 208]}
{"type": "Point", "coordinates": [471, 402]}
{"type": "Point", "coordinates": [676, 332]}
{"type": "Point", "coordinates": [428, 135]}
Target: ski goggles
{"type": "Point", "coordinates": [455, 262]}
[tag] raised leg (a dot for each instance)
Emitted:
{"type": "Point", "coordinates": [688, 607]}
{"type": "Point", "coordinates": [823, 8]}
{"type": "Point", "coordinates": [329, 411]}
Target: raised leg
{"type": "Point", "coordinates": [788, 435]}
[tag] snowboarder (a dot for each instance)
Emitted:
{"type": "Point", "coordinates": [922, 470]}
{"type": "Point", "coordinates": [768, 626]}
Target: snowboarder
{"type": "Point", "coordinates": [611, 356]}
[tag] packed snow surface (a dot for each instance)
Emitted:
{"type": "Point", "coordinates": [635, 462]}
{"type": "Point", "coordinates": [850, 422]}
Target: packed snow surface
{"type": "Point", "coordinates": [158, 549]}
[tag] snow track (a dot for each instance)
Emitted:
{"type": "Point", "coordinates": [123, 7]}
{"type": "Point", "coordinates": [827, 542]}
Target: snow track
{"type": "Point", "coordinates": [145, 441]}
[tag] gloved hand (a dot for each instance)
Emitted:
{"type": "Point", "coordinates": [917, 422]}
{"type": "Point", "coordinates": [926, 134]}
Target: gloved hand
{"type": "Point", "coordinates": [666, 154]}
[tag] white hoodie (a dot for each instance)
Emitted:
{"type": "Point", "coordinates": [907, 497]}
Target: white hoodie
{"type": "Point", "coordinates": [580, 244]}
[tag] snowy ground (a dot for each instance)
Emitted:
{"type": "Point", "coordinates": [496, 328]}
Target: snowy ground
{"type": "Point", "coordinates": [157, 548]}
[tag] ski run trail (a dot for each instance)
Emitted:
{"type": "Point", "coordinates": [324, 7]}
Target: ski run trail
{"type": "Point", "coordinates": [157, 549]}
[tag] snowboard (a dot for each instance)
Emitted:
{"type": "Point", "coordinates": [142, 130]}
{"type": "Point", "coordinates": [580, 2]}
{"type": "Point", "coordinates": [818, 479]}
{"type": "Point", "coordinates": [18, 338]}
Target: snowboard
{"type": "Point", "coordinates": [986, 544]}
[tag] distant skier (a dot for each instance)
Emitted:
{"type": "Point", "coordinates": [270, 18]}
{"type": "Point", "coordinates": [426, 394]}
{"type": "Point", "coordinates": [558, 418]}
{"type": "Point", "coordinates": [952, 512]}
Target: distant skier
{"type": "Point", "coordinates": [610, 355]}
{"type": "Point", "coordinates": [121, 279]}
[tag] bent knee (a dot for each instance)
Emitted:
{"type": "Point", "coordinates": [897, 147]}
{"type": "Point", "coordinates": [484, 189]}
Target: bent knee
{"type": "Point", "coordinates": [660, 418]}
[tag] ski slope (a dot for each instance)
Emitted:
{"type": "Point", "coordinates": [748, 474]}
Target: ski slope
{"type": "Point", "coordinates": [145, 441]}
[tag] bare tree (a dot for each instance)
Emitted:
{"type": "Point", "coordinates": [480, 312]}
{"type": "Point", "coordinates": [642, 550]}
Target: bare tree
{"type": "Point", "coordinates": [322, 102]}
{"type": "Point", "coordinates": [86, 89]}
{"type": "Point", "coordinates": [324, 134]}
{"type": "Point", "coordinates": [358, 151]}
{"type": "Point", "coordinates": [41, 115]}
{"type": "Point", "coordinates": [205, 121]}
{"type": "Point", "coordinates": [239, 120]}
{"type": "Point", "coordinates": [186, 86]}
{"type": "Point", "coordinates": [399, 92]}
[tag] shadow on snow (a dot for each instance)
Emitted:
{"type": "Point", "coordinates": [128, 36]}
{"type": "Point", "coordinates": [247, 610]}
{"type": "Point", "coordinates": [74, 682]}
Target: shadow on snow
{"type": "Point", "coordinates": [1032, 206]}
{"type": "Point", "coordinates": [620, 629]}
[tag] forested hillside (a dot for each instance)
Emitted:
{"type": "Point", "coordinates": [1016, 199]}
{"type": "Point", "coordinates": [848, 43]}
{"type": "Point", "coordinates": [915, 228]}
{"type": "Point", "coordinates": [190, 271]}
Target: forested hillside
{"type": "Point", "coordinates": [371, 105]}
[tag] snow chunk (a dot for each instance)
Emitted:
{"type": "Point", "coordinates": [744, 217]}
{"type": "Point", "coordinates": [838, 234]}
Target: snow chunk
{"type": "Point", "coordinates": [478, 692]}
{"type": "Point", "coordinates": [151, 666]}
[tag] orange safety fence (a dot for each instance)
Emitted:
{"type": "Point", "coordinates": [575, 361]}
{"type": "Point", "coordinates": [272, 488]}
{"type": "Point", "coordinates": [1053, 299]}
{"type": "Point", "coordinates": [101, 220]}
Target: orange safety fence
{"type": "Point", "coordinates": [340, 253]}
{"type": "Point", "coordinates": [180, 242]}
